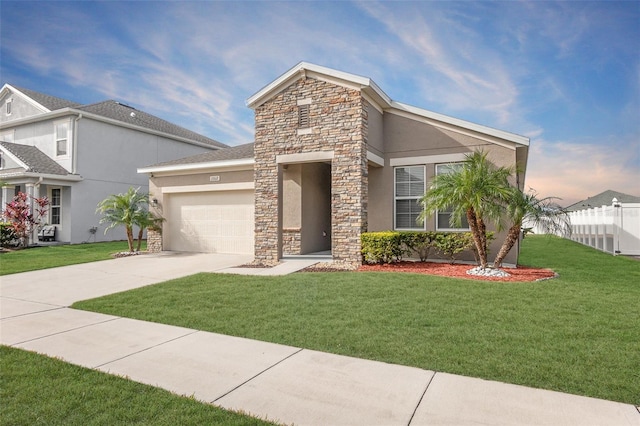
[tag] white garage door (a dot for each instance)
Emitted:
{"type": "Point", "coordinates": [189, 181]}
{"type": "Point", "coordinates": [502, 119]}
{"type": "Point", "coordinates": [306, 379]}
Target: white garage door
{"type": "Point", "coordinates": [210, 222]}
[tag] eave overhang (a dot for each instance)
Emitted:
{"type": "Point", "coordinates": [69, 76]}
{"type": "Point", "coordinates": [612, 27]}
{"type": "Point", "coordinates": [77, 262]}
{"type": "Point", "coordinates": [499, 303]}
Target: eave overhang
{"type": "Point", "coordinates": [383, 103]}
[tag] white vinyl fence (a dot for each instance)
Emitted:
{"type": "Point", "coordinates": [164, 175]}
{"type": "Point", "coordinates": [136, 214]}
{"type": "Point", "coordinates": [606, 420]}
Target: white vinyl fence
{"type": "Point", "coordinates": [613, 229]}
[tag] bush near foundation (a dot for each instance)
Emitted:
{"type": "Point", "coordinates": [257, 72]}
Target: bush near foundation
{"type": "Point", "coordinates": [393, 246]}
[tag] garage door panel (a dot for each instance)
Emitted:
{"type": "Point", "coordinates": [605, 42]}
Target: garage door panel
{"type": "Point", "coordinates": [211, 222]}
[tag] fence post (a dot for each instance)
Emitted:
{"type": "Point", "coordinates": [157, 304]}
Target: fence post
{"type": "Point", "coordinates": [617, 224]}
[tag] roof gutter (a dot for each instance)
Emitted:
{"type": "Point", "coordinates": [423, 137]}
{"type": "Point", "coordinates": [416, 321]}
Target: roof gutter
{"type": "Point", "coordinates": [198, 166]}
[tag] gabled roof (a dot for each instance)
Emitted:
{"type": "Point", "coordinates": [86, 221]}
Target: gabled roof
{"type": "Point", "coordinates": [113, 110]}
{"type": "Point", "coordinates": [51, 103]}
{"type": "Point", "coordinates": [127, 114]}
{"type": "Point", "coordinates": [603, 199]}
{"type": "Point", "coordinates": [33, 160]}
{"type": "Point", "coordinates": [380, 100]}
{"type": "Point", "coordinates": [237, 155]}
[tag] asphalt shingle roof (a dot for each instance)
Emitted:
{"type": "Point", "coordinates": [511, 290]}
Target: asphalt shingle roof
{"type": "Point", "coordinates": [603, 199]}
{"type": "Point", "coordinates": [234, 153]}
{"type": "Point", "coordinates": [50, 102]}
{"type": "Point", "coordinates": [121, 112]}
{"type": "Point", "coordinates": [36, 160]}
{"type": "Point", "coordinates": [126, 114]}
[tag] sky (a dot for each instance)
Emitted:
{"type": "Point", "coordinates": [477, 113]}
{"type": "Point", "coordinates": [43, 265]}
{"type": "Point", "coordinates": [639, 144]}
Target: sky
{"type": "Point", "coordinates": [565, 74]}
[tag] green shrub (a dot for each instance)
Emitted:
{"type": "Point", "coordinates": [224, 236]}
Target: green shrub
{"type": "Point", "coordinates": [418, 242]}
{"type": "Point", "coordinates": [392, 246]}
{"type": "Point", "coordinates": [381, 247]}
{"type": "Point", "coordinates": [452, 243]}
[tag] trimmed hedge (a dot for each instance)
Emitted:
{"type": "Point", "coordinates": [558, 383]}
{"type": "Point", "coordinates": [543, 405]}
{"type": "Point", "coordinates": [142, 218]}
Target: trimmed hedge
{"type": "Point", "coordinates": [392, 246]}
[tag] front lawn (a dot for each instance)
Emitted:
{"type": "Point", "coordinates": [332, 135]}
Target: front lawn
{"type": "Point", "coordinates": [35, 258]}
{"type": "Point", "coordinates": [579, 333]}
{"type": "Point", "coordinates": [36, 390]}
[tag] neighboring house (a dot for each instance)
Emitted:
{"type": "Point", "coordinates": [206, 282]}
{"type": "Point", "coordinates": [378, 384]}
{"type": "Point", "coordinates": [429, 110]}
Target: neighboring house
{"type": "Point", "coordinates": [603, 199]}
{"type": "Point", "coordinates": [77, 155]}
{"type": "Point", "coordinates": [333, 157]}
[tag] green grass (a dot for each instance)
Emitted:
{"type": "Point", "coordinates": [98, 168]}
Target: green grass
{"type": "Point", "coordinates": [35, 258]}
{"type": "Point", "coordinates": [36, 390]}
{"type": "Point", "coordinates": [579, 333]}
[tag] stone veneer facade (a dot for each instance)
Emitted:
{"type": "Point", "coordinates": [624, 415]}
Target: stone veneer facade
{"type": "Point", "coordinates": [338, 123]}
{"type": "Point", "coordinates": [154, 241]}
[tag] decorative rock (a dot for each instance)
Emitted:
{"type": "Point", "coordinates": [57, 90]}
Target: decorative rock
{"type": "Point", "coordinates": [488, 272]}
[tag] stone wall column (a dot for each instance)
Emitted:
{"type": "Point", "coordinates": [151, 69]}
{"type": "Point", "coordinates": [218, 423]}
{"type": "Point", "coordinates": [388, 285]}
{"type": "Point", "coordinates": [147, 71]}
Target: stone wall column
{"type": "Point", "coordinates": [154, 240]}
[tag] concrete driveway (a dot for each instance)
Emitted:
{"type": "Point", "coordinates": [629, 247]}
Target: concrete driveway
{"type": "Point", "coordinates": [68, 284]}
{"type": "Point", "coordinates": [288, 384]}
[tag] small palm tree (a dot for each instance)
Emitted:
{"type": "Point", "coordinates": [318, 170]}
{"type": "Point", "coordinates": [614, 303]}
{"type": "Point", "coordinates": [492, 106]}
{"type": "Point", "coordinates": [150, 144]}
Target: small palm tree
{"type": "Point", "coordinates": [476, 190]}
{"type": "Point", "coordinates": [543, 212]}
{"type": "Point", "coordinates": [126, 210]}
{"type": "Point", "coordinates": [144, 220]}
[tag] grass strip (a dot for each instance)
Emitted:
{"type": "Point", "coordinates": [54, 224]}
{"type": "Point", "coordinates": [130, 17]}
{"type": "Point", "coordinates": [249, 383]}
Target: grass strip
{"type": "Point", "coordinates": [35, 258]}
{"type": "Point", "coordinates": [37, 390]}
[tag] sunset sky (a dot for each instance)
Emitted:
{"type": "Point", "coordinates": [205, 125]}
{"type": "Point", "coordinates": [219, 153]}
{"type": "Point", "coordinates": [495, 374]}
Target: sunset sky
{"type": "Point", "coordinates": [564, 74]}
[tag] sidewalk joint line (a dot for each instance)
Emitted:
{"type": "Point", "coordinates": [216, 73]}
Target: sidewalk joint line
{"type": "Point", "coordinates": [258, 374]}
{"type": "Point", "coordinates": [53, 308]}
{"type": "Point", "coordinates": [422, 397]}
{"type": "Point", "coordinates": [65, 331]}
{"type": "Point", "coordinates": [146, 349]}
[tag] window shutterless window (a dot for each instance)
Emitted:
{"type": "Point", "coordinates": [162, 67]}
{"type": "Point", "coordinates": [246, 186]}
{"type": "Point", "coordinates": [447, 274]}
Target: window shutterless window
{"type": "Point", "coordinates": [55, 206]}
{"type": "Point", "coordinates": [443, 217]}
{"type": "Point", "coordinates": [409, 188]}
{"type": "Point", "coordinates": [62, 139]}
{"type": "Point", "coordinates": [9, 106]}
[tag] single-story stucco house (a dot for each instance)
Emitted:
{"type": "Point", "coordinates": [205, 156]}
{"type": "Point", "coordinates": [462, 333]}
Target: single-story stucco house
{"type": "Point", "coordinates": [333, 157]}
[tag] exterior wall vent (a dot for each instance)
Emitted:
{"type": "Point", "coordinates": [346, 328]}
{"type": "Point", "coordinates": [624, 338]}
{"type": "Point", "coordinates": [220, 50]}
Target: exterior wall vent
{"type": "Point", "coordinates": [303, 116]}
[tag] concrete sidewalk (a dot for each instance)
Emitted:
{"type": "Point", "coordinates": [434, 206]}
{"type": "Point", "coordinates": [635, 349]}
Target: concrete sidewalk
{"type": "Point", "coordinates": [281, 383]}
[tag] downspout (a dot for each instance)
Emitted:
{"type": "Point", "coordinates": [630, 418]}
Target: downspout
{"type": "Point", "coordinates": [74, 158]}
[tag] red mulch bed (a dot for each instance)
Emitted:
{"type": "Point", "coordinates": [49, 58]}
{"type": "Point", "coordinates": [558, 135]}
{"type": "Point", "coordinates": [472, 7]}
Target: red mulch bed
{"type": "Point", "coordinates": [519, 274]}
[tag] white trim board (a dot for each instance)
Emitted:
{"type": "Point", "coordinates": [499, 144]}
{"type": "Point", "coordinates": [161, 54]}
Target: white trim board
{"type": "Point", "coordinates": [238, 186]}
{"type": "Point", "coordinates": [428, 159]}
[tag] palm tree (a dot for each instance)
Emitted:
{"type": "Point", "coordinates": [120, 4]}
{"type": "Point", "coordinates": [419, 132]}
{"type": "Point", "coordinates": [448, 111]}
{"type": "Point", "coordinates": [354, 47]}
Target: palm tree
{"type": "Point", "coordinates": [124, 210]}
{"type": "Point", "coordinates": [145, 219]}
{"type": "Point", "coordinates": [476, 190]}
{"type": "Point", "coordinates": [544, 213]}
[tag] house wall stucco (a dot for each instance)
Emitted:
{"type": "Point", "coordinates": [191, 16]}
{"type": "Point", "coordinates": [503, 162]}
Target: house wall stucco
{"type": "Point", "coordinates": [405, 138]}
{"type": "Point", "coordinates": [375, 140]}
{"type": "Point", "coordinates": [19, 108]}
{"type": "Point", "coordinates": [108, 157]}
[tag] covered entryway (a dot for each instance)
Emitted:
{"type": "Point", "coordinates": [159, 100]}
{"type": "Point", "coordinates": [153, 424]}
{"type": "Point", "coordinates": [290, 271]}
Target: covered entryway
{"type": "Point", "coordinates": [306, 208]}
{"type": "Point", "coordinates": [210, 222]}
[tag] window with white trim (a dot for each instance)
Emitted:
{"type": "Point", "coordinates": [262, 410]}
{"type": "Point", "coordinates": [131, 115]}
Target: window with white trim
{"type": "Point", "coordinates": [409, 186]}
{"type": "Point", "coordinates": [9, 106]}
{"type": "Point", "coordinates": [62, 138]}
{"type": "Point", "coordinates": [55, 206]}
{"type": "Point", "coordinates": [443, 217]}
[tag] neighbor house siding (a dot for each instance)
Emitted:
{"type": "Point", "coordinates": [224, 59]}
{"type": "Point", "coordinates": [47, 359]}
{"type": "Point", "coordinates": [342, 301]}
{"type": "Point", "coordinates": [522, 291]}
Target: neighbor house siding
{"type": "Point", "coordinates": [19, 108]}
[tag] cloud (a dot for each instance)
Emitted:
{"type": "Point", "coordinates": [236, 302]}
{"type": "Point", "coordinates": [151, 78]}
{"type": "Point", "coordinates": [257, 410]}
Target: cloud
{"type": "Point", "coordinates": [458, 71]}
{"type": "Point", "coordinates": [575, 170]}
